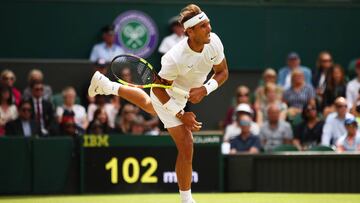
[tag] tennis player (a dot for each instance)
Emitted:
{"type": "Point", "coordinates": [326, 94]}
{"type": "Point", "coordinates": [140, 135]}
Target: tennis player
{"type": "Point", "coordinates": [185, 66]}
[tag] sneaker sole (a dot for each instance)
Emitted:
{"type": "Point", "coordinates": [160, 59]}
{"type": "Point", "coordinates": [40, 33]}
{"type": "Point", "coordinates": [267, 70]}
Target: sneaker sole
{"type": "Point", "coordinates": [93, 85]}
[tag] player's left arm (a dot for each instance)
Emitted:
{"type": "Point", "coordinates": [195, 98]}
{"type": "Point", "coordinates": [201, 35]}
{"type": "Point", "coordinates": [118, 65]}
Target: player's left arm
{"type": "Point", "coordinates": [221, 74]}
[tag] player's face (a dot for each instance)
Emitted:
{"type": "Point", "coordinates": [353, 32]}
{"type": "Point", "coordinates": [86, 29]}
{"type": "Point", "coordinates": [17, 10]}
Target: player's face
{"type": "Point", "coordinates": [201, 32]}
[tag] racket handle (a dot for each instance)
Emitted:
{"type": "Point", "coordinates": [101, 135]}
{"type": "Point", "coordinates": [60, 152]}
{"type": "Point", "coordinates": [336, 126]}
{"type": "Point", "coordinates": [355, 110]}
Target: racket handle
{"type": "Point", "coordinates": [181, 92]}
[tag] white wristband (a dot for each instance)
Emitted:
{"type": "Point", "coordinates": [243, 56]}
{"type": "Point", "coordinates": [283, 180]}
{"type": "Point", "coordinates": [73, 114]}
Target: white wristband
{"type": "Point", "coordinates": [211, 85]}
{"type": "Point", "coordinates": [172, 107]}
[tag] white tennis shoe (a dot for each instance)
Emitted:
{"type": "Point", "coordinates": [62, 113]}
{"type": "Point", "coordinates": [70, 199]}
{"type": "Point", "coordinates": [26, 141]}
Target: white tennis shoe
{"type": "Point", "coordinates": [98, 84]}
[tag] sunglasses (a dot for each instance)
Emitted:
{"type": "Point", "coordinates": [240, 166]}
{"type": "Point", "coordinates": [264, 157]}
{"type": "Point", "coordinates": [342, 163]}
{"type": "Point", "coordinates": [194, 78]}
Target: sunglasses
{"type": "Point", "coordinates": [39, 89]}
{"type": "Point", "coordinates": [9, 78]}
{"type": "Point", "coordinates": [341, 106]}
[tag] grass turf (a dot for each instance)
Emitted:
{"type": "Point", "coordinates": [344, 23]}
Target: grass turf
{"type": "Point", "coordinates": [200, 198]}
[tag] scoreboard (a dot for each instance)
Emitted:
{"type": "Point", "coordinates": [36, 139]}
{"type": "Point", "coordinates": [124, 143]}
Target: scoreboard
{"type": "Point", "coordinates": [127, 164]}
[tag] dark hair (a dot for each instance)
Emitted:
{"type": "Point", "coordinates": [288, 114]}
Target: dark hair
{"type": "Point", "coordinates": [97, 113]}
{"type": "Point", "coordinates": [318, 61]}
{"type": "Point", "coordinates": [357, 108]}
{"type": "Point", "coordinates": [330, 80]}
{"type": "Point", "coordinates": [4, 88]}
{"type": "Point", "coordinates": [23, 102]}
{"type": "Point", "coordinates": [304, 111]}
{"type": "Point", "coordinates": [107, 29]}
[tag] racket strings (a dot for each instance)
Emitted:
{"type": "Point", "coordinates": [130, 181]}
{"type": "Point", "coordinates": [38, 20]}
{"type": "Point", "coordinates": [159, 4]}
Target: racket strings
{"type": "Point", "coordinates": [140, 73]}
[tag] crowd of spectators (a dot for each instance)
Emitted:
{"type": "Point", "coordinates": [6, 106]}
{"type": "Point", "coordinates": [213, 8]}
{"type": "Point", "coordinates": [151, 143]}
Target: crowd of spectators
{"type": "Point", "coordinates": [38, 112]}
{"type": "Point", "coordinates": [297, 107]}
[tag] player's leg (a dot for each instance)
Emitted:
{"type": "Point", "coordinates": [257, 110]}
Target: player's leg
{"type": "Point", "coordinates": [100, 84]}
{"type": "Point", "coordinates": [137, 97]}
{"type": "Point", "coordinates": [184, 142]}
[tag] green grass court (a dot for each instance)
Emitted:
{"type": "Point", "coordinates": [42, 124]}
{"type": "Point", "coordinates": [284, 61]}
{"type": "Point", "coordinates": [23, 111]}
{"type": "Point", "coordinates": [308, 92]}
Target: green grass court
{"type": "Point", "coordinates": [200, 198]}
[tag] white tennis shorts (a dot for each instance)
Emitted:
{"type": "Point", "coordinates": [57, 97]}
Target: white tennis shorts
{"type": "Point", "coordinates": [166, 118]}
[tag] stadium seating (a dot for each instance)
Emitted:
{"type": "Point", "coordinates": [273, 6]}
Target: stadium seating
{"type": "Point", "coordinates": [285, 148]}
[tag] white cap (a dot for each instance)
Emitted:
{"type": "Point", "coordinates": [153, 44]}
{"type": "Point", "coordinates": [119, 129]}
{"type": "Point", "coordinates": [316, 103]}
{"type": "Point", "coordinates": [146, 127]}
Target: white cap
{"type": "Point", "coordinates": [244, 108]}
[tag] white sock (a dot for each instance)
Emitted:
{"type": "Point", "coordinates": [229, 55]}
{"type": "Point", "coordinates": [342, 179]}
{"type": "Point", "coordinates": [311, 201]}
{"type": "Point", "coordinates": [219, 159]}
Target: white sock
{"type": "Point", "coordinates": [112, 88]}
{"type": "Point", "coordinates": [185, 196]}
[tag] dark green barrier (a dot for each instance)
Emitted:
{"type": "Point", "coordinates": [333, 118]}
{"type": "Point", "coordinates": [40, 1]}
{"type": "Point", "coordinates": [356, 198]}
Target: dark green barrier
{"type": "Point", "coordinates": [52, 162]}
{"type": "Point", "coordinates": [293, 172]}
{"type": "Point", "coordinates": [15, 165]}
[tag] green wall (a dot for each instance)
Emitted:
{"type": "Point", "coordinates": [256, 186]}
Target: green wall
{"type": "Point", "coordinates": [255, 35]}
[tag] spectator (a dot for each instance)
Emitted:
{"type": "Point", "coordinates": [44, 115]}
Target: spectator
{"type": "Point", "coordinates": [107, 49]}
{"type": "Point", "coordinates": [177, 35]}
{"type": "Point", "coordinates": [356, 112]}
{"type": "Point", "coordinates": [111, 108]}
{"type": "Point", "coordinates": [126, 75]}
{"type": "Point", "coordinates": [8, 111]}
{"type": "Point", "coordinates": [269, 77]}
{"type": "Point", "coordinates": [271, 98]}
{"type": "Point", "coordinates": [350, 70]}
{"type": "Point", "coordinates": [334, 123]}
{"type": "Point", "coordinates": [8, 78]}
{"type": "Point", "coordinates": [79, 112]}
{"type": "Point", "coordinates": [275, 132]}
{"type": "Point", "coordinates": [285, 73]}
{"type": "Point", "coordinates": [151, 123]}
{"type": "Point", "coordinates": [335, 87]}
{"type": "Point", "coordinates": [308, 132]}
{"type": "Point", "coordinates": [350, 141]}
{"type": "Point", "coordinates": [24, 125]}
{"type": "Point", "coordinates": [126, 118]}
{"type": "Point", "coordinates": [242, 97]}
{"type": "Point", "coordinates": [299, 94]}
{"type": "Point", "coordinates": [234, 129]}
{"type": "Point", "coordinates": [96, 128]}
{"type": "Point", "coordinates": [43, 110]}
{"type": "Point", "coordinates": [323, 64]}
{"type": "Point", "coordinates": [353, 87]}
{"type": "Point", "coordinates": [69, 127]}
{"type": "Point", "coordinates": [99, 125]}
{"type": "Point", "coordinates": [36, 75]}
{"type": "Point", "coordinates": [245, 141]}
{"type": "Point", "coordinates": [137, 126]}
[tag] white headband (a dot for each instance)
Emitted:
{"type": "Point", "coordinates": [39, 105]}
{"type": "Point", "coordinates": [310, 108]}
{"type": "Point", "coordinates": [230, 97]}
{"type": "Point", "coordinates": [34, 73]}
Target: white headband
{"type": "Point", "coordinates": [195, 20]}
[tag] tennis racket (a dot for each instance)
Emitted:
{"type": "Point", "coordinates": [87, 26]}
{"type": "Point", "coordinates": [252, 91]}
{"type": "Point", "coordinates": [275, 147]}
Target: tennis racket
{"type": "Point", "coordinates": [141, 72]}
